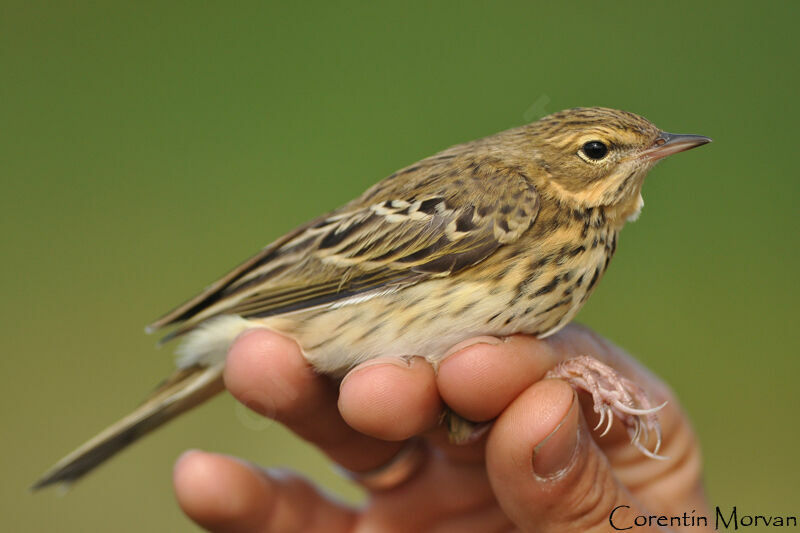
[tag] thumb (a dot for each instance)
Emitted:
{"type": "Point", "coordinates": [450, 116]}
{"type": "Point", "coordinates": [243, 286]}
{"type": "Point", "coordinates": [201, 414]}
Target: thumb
{"type": "Point", "coordinates": [546, 470]}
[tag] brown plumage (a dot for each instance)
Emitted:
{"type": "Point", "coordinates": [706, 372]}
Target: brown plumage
{"type": "Point", "coordinates": [506, 234]}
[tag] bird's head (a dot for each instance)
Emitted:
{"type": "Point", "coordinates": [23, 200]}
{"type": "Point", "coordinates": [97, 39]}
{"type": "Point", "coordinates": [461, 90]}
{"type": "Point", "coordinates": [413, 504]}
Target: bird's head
{"type": "Point", "coordinates": [599, 157]}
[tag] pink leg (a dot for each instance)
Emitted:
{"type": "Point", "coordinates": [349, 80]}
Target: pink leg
{"type": "Point", "coordinates": [614, 395]}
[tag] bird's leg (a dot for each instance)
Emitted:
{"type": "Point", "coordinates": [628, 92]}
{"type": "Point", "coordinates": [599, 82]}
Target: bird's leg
{"type": "Point", "coordinates": [614, 396]}
{"type": "Point", "coordinates": [460, 430]}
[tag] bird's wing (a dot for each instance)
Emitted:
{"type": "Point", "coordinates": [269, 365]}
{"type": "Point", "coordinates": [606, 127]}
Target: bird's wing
{"type": "Point", "coordinates": [212, 292]}
{"type": "Point", "coordinates": [386, 239]}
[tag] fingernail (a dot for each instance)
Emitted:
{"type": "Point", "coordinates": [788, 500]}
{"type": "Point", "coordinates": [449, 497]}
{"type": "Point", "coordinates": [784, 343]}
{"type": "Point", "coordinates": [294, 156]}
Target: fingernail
{"type": "Point", "coordinates": [463, 345]}
{"type": "Point", "coordinates": [556, 454]}
{"type": "Point", "coordinates": [401, 362]}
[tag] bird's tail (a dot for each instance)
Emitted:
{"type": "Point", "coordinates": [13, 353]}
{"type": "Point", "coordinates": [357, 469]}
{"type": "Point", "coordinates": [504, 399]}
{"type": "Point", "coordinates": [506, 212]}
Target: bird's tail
{"type": "Point", "coordinates": [185, 389]}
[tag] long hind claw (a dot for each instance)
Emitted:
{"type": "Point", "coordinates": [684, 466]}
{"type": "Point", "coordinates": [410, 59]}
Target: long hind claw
{"type": "Point", "coordinates": [639, 412]}
{"type": "Point", "coordinates": [614, 395]}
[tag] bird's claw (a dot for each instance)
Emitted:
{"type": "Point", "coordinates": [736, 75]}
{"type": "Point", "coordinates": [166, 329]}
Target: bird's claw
{"type": "Point", "coordinates": [614, 395]}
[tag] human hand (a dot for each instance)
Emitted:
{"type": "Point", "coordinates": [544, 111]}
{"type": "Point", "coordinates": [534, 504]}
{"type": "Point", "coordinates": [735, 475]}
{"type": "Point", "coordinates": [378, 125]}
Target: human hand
{"type": "Point", "coordinates": [540, 467]}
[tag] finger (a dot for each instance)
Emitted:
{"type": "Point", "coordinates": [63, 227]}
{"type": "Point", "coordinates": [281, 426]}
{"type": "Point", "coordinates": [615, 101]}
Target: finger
{"type": "Point", "coordinates": [483, 375]}
{"type": "Point", "coordinates": [546, 470]}
{"type": "Point", "coordinates": [480, 379]}
{"type": "Point", "coordinates": [391, 398]}
{"type": "Point", "coordinates": [668, 485]}
{"type": "Point", "coordinates": [444, 496]}
{"type": "Point", "coordinates": [578, 340]}
{"type": "Point", "coordinates": [268, 373]}
{"type": "Point", "coordinates": [221, 493]}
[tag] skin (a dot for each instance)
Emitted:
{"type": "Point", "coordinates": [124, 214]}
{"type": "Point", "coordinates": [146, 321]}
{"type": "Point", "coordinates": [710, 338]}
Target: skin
{"type": "Point", "coordinates": [540, 466]}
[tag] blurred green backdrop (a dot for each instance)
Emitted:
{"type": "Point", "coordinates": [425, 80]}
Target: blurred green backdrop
{"type": "Point", "coordinates": [147, 148]}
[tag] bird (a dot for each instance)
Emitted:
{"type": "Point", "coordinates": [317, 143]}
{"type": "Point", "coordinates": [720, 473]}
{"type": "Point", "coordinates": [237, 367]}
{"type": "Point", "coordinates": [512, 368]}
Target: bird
{"type": "Point", "coordinates": [502, 235]}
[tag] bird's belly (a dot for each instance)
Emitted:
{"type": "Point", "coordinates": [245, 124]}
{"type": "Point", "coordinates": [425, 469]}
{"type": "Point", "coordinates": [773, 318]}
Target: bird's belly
{"type": "Point", "coordinates": [426, 319]}
{"type": "Point", "coordinates": [429, 318]}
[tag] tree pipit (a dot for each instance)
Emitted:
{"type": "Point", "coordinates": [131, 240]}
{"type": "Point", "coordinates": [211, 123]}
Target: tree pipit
{"type": "Point", "coordinates": [506, 234]}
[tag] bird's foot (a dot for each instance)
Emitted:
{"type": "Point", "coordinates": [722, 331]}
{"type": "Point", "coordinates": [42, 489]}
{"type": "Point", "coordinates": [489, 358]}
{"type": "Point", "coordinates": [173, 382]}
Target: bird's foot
{"type": "Point", "coordinates": [460, 430]}
{"type": "Point", "coordinates": [614, 396]}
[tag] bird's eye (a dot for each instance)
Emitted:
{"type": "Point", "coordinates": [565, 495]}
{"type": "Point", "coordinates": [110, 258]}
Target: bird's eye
{"type": "Point", "coordinates": [595, 150]}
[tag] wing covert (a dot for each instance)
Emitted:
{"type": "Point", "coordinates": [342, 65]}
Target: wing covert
{"type": "Point", "coordinates": [390, 242]}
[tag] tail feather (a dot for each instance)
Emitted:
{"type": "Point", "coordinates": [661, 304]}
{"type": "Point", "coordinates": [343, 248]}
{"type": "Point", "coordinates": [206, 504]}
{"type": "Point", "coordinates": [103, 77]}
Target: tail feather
{"type": "Point", "coordinates": [185, 389]}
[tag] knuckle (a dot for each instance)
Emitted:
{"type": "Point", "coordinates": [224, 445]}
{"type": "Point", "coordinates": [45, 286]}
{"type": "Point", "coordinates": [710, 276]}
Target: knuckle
{"type": "Point", "coordinates": [592, 496]}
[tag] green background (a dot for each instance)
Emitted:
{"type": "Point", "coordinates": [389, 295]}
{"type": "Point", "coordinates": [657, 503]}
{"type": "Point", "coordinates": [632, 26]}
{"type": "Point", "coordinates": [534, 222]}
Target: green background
{"type": "Point", "coordinates": [145, 149]}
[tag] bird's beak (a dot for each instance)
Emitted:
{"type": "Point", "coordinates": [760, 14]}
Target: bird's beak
{"type": "Point", "coordinates": [672, 143]}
